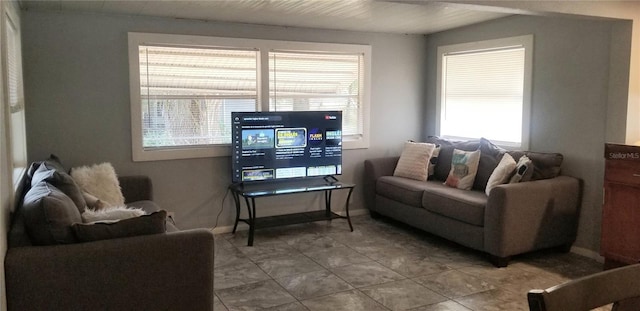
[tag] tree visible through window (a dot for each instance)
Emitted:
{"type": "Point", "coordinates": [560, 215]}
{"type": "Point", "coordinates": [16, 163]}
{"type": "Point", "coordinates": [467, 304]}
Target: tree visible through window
{"type": "Point", "coordinates": [184, 88]}
{"type": "Point", "coordinates": [188, 94]}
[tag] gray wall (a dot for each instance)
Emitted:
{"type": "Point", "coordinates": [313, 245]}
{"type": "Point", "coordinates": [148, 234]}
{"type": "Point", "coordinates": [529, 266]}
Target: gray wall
{"type": "Point", "coordinates": [77, 99]}
{"type": "Point", "coordinates": [570, 100]}
{"type": "Point", "coordinates": [77, 95]}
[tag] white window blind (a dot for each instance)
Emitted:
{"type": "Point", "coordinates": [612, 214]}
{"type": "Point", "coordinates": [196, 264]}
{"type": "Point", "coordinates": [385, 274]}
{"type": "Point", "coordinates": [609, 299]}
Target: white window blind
{"type": "Point", "coordinates": [482, 94]}
{"type": "Point", "coordinates": [184, 88]}
{"type": "Point", "coordinates": [301, 81]}
{"type": "Point", "coordinates": [188, 93]}
{"type": "Point", "coordinates": [15, 93]}
{"type": "Point", "coordinates": [14, 78]}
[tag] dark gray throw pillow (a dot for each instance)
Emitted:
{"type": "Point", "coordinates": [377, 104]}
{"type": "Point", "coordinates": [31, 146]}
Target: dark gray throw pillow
{"type": "Point", "coordinates": [490, 156]}
{"type": "Point", "coordinates": [147, 224]}
{"type": "Point", "coordinates": [443, 165]}
{"type": "Point", "coordinates": [48, 214]}
{"type": "Point", "coordinates": [546, 164]}
{"type": "Point", "coordinates": [61, 180]}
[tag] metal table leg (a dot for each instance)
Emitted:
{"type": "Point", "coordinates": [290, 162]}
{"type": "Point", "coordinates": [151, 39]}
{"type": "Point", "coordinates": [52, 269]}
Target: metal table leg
{"type": "Point", "coordinates": [347, 209]}
{"type": "Point", "coordinates": [236, 199]}
{"type": "Point", "coordinates": [251, 208]}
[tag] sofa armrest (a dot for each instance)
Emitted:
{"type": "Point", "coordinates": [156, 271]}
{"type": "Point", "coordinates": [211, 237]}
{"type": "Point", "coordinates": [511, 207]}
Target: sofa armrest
{"type": "Point", "coordinates": [374, 169]}
{"type": "Point", "coordinates": [153, 272]}
{"type": "Point", "coordinates": [136, 188]}
{"type": "Point", "coordinates": [532, 215]}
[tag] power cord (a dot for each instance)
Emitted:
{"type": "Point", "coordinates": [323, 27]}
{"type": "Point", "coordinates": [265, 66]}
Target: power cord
{"type": "Point", "coordinates": [226, 194]}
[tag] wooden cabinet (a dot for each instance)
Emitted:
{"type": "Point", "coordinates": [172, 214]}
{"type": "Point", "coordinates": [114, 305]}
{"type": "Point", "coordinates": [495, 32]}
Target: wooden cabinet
{"type": "Point", "coordinates": [620, 242]}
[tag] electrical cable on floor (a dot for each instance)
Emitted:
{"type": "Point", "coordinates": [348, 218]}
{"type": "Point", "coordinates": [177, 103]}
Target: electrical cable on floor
{"type": "Point", "coordinates": [221, 208]}
{"type": "Point", "coordinates": [217, 217]}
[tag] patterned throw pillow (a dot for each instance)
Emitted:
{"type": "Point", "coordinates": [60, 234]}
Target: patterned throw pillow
{"type": "Point", "coordinates": [524, 170]}
{"type": "Point", "coordinates": [502, 173]}
{"type": "Point", "coordinates": [414, 161]}
{"type": "Point", "coordinates": [464, 166]}
{"type": "Point", "coordinates": [434, 160]}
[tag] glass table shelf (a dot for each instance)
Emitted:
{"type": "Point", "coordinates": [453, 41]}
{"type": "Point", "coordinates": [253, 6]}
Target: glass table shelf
{"type": "Point", "coordinates": [252, 191]}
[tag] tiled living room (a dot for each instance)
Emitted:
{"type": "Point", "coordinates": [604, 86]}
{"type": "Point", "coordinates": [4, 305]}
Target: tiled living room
{"type": "Point", "coordinates": [148, 89]}
{"type": "Point", "coordinates": [382, 265]}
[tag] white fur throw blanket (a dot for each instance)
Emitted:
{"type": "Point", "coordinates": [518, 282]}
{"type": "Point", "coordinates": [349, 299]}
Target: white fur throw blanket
{"type": "Point", "coordinates": [110, 214]}
{"type": "Point", "coordinates": [101, 181]}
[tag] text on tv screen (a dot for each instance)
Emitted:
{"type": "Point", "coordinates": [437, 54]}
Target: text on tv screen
{"type": "Point", "coordinates": [283, 145]}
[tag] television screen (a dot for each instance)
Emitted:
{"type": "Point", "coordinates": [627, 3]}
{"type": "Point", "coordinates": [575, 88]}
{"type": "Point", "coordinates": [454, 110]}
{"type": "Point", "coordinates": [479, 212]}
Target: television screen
{"type": "Point", "coordinates": [284, 145]}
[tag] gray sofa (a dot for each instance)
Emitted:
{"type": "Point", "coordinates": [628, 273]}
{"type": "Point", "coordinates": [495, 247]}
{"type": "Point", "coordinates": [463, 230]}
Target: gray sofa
{"type": "Point", "coordinates": [164, 271]}
{"type": "Point", "coordinates": [514, 219]}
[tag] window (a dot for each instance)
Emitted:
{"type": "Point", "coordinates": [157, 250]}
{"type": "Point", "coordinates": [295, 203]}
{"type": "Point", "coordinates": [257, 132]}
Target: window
{"type": "Point", "coordinates": [184, 88]}
{"type": "Point", "coordinates": [13, 92]}
{"type": "Point", "coordinates": [318, 81]}
{"type": "Point", "coordinates": [187, 94]}
{"type": "Point", "coordinates": [484, 90]}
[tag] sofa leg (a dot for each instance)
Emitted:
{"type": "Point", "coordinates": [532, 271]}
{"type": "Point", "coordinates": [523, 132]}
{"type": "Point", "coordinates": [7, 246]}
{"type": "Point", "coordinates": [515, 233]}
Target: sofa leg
{"type": "Point", "coordinates": [374, 214]}
{"type": "Point", "coordinates": [499, 262]}
{"type": "Point", "coordinates": [565, 248]}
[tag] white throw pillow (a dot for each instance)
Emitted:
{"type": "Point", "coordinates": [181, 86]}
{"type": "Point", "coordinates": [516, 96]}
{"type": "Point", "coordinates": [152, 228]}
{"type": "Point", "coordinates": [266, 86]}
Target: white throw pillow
{"type": "Point", "coordinates": [414, 161]}
{"type": "Point", "coordinates": [502, 173]}
{"type": "Point", "coordinates": [101, 181]}
{"type": "Point", "coordinates": [464, 167]}
{"type": "Point", "coordinates": [110, 214]}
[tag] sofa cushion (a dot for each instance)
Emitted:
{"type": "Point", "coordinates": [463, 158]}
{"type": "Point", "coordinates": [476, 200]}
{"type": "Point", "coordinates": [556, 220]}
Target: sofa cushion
{"type": "Point", "coordinates": [48, 214]}
{"type": "Point", "coordinates": [147, 224]}
{"type": "Point", "coordinates": [464, 167]}
{"type": "Point", "coordinates": [60, 179]}
{"type": "Point", "coordinates": [490, 156]}
{"type": "Point", "coordinates": [407, 191]}
{"type": "Point", "coordinates": [443, 165]}
{"type": "Point", "coordinates": [433, 161]}
{"type": "Point", "coordinates": [463, 205]}
{"type": "Point", "coordinates": [502, 174]}
{"type": "Point", "coordinates": [112, 213]}
{"type": "Point", "coordinates": [546, 165]}
{"type": "Point", "coordinates": [414, 161]}
{"type": "Point", "coordinates": [52, 161]}
{"type": "Point", "coordinates": [101, 181]}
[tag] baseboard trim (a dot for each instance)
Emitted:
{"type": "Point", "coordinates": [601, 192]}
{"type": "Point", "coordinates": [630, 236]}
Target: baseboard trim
{"type": "Point", "coordinates": [587, 253]}
{"type": "Point", "coordinates": [243, 227]}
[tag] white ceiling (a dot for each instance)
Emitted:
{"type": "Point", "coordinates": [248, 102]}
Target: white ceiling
{"type": "Point", "coordinates": [355, 15]}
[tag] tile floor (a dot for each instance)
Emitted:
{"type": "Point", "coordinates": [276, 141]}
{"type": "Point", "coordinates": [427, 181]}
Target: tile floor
{"type": "Point", "coordinates": [382, 265]}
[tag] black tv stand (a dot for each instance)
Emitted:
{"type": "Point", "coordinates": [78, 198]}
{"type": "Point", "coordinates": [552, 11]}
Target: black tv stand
{"type": "Point", "coordinates": [252, 191]}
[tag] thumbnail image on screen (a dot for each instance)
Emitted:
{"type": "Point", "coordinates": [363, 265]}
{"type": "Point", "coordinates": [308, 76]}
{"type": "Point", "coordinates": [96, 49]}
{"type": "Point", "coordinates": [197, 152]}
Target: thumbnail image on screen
{"type": "Point", "coordinates": [334, 137]}
{"type": "Point", "coordinates": [257, 139]}
{"type": "Point", "coordinates": [291, 137]}
{"type": "Point", "coordinates": [316, 136]}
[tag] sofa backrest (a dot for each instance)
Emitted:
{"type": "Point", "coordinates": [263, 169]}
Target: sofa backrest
{"type": "Point", "coordinates": [18, 236]}
{"type": "Point", "coordinates": [546, 165]}
{"type": "Point", "coordinates": [47, 196]}
{"type": "Point", "coordinates": [443, 166]}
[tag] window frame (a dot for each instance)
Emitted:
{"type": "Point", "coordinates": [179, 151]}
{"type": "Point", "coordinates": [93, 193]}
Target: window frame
{"type": "Point", "coordinates": [525, 42]}
{"type": "Point", "coordinates": [15, 128]}
{"type": "Point", "coordinates": [263, 47]}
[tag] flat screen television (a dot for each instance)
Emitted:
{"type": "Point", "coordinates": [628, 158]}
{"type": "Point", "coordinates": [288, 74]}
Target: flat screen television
{"type": "Point", "coordinates": [273, 146]}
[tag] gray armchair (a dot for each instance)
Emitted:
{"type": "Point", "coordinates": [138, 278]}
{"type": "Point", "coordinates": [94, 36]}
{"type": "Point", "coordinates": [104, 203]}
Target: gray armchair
{"type": "Point", "coordinates": [619, 286]}
{"type": "Point", "coordinates": [168, 271]}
